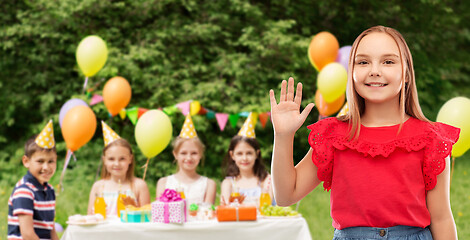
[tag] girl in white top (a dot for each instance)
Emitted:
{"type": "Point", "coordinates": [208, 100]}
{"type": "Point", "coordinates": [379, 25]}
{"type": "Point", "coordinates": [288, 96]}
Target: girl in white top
{"type": "Point", "coordinates": [188, 151]}
{"type": "Point", "coordinates": [117, 175]}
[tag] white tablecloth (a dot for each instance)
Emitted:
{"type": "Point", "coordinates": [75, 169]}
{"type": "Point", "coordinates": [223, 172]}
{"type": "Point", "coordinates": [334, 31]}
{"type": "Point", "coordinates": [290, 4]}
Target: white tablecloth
{"type": "Point", "coordinates": [269, 229]}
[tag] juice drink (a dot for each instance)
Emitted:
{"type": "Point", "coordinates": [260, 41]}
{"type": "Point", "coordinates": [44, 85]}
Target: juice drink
{"type": "Point", "coordinates": [120, 204]}
{"type": "Point", "coordinates": [100, 206]}
{"type": "Point", "coordinates": [264, 199]}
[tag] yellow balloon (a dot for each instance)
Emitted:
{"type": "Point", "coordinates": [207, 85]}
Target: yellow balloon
{"type": "Point", "coordinates": [195, 107]}
{"type": "Point", "coordinates": [456, 112]}
{"type": "Point", "coordinates": [91, 54]}
{"type": "Point", "coordinates": [331, 81]}
{"type": "Point", "coordinates": [153, 132]}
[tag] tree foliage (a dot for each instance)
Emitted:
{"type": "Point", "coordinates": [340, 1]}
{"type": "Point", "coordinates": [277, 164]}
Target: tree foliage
{"type": "Point", "coordinates": [225, 54]}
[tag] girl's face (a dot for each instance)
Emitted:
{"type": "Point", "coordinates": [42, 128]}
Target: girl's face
{"type": "Point", "coordinates": [188, 155]}
{"type": "Point", "coordinates": [244, 156]}
{"type": "Point", "coordinates": [377, 72]}
{"type": "Point", "coordinates": [117, 160]}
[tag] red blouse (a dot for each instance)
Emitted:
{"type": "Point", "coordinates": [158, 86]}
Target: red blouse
{"type": "Point", "coordinates": [381, 179]}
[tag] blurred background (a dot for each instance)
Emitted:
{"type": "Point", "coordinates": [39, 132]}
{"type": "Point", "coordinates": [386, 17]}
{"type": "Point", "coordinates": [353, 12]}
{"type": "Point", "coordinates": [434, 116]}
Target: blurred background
{"type": "Point", "coordinates": [224, 54]}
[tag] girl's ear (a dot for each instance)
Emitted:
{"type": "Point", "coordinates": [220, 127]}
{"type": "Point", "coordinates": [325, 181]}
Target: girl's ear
{"type": "Point", "coordinates": [231, 154]}
{"type": "Point", "coordinates": [174, 154]}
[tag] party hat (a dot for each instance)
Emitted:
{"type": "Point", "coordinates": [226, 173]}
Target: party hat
{"type": "Point", "coordinates": [248, 128]}
{"type": "Point", "coordinates": [108, 134]}
{"type": "Point", "coordinates": [188, 130]}
{"type": "Point", "coordinates": [46, 138]}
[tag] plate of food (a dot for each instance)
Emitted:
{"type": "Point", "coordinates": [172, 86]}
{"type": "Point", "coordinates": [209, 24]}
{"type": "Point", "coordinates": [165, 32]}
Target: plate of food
{"type": "Point", "coordinates": [86, 220]}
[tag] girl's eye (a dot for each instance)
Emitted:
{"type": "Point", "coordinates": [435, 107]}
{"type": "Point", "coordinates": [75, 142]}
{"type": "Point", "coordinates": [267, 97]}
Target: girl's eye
{"type": "Point", "coordinates": [362, 62]}
{"type": "Point", "coordinates": [389, 62]}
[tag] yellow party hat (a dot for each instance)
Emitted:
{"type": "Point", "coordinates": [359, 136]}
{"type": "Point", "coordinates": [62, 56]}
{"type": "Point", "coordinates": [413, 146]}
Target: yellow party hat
{"type": "Point", "coordinates": [188, 130]}
{"type": "Point", "coordinates": [46, 138]}
{"type": "Point", "coordinates": [344, 110]}
{"type": "Point", "coordinates": [108, 134]}
{"type": "Point", "coordinates": [248, 128]}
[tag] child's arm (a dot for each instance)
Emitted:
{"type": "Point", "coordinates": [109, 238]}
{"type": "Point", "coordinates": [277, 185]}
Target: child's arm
{"type": "Point", "coordinates": [438, 202]}
{"type": "Point", "coordinates": [290, 183]}
{"type": "Point", "coordinates": [142, 192]}
{"type": "Point", "coordinates": [54, 234]}
{"type": "Point", "coordinates": [91, 200]}
{"type": "Point", "coordinates": [161, 183]}
{"type": "Point", "coordinates": [210, 191]}
{"type": "Point", "coordinates": [225, 190]}
{"type": "Point", "coordinates": [26, 227]}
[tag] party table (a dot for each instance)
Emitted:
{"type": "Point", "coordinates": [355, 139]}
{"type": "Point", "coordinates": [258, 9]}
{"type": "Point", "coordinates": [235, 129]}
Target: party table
{"type": "Point", "coordinates": [264, 228]}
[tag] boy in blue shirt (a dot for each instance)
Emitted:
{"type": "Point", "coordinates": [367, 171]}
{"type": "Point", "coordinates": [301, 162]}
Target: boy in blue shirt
{"type": "Point", "coordinates": [31, 207]}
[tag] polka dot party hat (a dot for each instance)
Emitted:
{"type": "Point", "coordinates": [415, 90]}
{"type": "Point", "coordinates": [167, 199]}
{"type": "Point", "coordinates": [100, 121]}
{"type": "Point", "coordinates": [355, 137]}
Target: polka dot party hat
{"type": "Point", "coordinates": [188, 130]}
{"type": "Point", "coordinates": [248, 128]}
{"type": "Point", "coordinates": [46, 138]}
{"type": "Point", "coordinates": [108, 134]}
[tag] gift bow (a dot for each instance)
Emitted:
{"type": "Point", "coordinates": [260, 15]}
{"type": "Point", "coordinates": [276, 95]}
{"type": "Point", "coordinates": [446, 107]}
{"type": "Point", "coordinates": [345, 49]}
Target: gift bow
{"type": "Point", "coordinates": [170, 195]}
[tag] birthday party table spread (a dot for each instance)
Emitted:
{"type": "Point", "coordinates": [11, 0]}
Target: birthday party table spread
{"type": "Point", "coordinates": [264, 228]}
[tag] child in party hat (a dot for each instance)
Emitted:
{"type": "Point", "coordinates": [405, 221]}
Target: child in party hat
{"type": "Point", "coordinates": [31, 207]}
{"type": "Point", "coordinates": [245, 172]}
{"type": "Point", "coordinates": [188, 151]}
{"type": "Point", "coordinates": [117, 176]}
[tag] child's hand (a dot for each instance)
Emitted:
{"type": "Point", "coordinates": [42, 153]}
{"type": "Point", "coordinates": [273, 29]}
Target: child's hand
{"type": "Point", "coordinates": [286, 116]}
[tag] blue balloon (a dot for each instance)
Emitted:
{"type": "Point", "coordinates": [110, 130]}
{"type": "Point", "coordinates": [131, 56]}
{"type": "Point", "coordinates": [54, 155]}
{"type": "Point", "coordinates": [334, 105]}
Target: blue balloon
{"type": "Point", "coordinates": [343, 56]}
{"type": "Point", "coordinates": [69, 105]}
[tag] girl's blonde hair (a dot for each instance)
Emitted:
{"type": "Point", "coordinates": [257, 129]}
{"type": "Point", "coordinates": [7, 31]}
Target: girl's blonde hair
{"type": "Point", "coordinates": [130, 171]}
{"type": "Point", "coordinates": [409, 103]}
{"type": "Point", "coordinates": [178, 142]}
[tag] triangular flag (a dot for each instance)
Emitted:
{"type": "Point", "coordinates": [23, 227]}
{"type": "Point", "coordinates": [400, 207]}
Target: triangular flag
{"type": "Point", "coordinates": [210, 114]}
{"type": "Point", "coordinates": [45, 139]}
{"type": "Point", "coordinates": [184, 107]}
{"type": "Point", "coordinates": [344, 110]}
{"type": "Point", "coordinates": [108, 134]}
{"type": "Point", "coordinates": [202, 111]}
{"type": "Point", "coordinates": [170, 110]}
{"type": "Point", "coordinates": [141, 111]}
{"type": "Point", "coordinates": [188, 130]}
{"type": "Point", "coordinates": [122, 114]}
{"type": "Point", "coordinates": [96, 99]}
{"type": "Point", "coordinates": [132, 114]}
{"type": "Point", "coordinates": [195, 107]}
{"type": "Point", "coordinates": [263, 118]}
{"type": "Point", "coordinates": [244, 114]}
{"type": "Point", "coordinates": [233, 118]}
{"type": "Point", "coordinates": [248, 129]}
{"type": "Point", "coordinates": [254, 118]}
{"type": "Point", "coordinates": [221, 120]}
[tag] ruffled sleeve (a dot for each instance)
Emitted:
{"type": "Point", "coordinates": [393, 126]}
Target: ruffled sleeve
{"type": "Point", "coordinates": [440, 138]}
{"type": "Point", "coordinates": [319, 139]}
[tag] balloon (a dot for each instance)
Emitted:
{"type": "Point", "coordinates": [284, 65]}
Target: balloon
{"type": "Point", "coordinates": [456, 112]}
{"type": "Point", "coordinates": [116, 94]}
{"type": "Point", "coordinates": [323, 49]}
{"type": "Point", "coordinates": [343, 56]}
{"type": "Point", "coordinates": [69, 105]}
{"type": "Point", "coordinates": [91, 54]}
{"type": "Point", "coordinates": [331, 81]}
{"type": "Point", "coordinates": [153, 132]}
{"type": "Point", "coordinates": [326, 109]}
{"type": "Point", "coordinates": [78, 127]}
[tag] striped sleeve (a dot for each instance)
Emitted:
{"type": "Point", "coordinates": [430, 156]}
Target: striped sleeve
{"type": "Point", "coordinates": [22, 201]}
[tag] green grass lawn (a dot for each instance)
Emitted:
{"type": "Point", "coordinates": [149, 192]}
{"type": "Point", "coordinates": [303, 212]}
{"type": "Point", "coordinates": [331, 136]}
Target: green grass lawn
{"type": "Point", "coordinates": [314, 208]}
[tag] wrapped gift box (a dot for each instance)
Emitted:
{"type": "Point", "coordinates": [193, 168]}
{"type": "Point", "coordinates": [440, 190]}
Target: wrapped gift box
{"type": "Point", "coordinates": [236, 213]}
{"type": "Point", "coordinates": [137, 216]}
{"type": "Point", "coordinates": [169, 212]}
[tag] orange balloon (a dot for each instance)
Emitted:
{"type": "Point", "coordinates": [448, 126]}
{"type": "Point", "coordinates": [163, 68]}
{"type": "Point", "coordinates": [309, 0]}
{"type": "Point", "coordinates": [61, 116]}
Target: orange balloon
{"type": "Point", "coordinates": [78, 127]}
{"type": "Point", "coordinates": [116, 94]}
{"type": "Point", "coordinates": [325, 108]}
{"type": "Point", "coordinates": [323, 49]}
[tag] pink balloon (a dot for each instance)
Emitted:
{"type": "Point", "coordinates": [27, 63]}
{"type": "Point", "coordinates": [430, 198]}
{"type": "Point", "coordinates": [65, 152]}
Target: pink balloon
{"type": "Point", "coordinates": [343, 56]}
{"type": "Point", "coordinates": [69, 105]}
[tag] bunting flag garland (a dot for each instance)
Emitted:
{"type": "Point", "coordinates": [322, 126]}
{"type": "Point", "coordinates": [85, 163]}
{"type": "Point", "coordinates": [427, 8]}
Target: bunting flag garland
{"type": "Point", "coordinates": [184, 107]}
{"type": "Point", "coordinates": [221, 120]}
{"type": "Point", "coordinates": [233, 118]}
{"type": "Point", "coordinates": [141, 111]}
{"type": "Point", "coordinates": [263, 118]}
{"type": "Point", "coordinates": [132, 114]}
{"type": "Point", "coordinates": [96, 99]}
{"type": "Point", "coordinates": [122, 114]}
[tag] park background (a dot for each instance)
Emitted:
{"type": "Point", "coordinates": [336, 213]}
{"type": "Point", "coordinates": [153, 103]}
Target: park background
{"type": "Point", "coordinates": [224, 54]}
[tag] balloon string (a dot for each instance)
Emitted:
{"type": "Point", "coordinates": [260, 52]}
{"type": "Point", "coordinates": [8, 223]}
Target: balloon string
{"type": "Point", "coordinates": [67, 160]}
{"type": "Point", "coordinates": [84, 84]}
{"type": "Point", "coordinates": [145, 166]}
